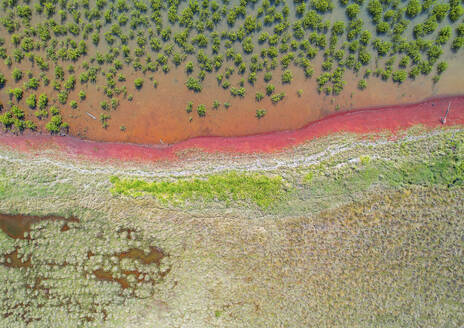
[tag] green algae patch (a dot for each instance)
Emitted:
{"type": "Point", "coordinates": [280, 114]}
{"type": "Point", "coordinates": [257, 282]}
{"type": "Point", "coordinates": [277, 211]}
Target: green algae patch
{"type": "Point", "coordinates": [263, 190]}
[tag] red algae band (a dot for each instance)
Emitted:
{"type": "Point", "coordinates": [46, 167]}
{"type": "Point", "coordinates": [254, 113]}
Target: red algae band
{"type": "Point", "coordinates": [392, 118]}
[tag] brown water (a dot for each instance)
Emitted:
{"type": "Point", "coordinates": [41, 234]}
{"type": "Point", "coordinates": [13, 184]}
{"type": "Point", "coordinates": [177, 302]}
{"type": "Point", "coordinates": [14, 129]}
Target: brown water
{"type": "Point", "coordinates": [15, 225]}
{"type": "Point", "coordinates": [14, 261]}
{"type": "Point", "coordinates": [153, 257]}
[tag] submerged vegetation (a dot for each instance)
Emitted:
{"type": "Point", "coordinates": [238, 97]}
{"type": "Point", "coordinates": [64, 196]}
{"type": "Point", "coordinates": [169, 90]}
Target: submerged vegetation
{"type": "Point", "coordinates": [66, 45]}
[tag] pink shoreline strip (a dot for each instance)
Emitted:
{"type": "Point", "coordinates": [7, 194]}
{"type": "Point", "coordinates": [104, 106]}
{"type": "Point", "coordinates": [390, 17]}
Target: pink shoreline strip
{"type": "Point", "coordinates": [392, 118]}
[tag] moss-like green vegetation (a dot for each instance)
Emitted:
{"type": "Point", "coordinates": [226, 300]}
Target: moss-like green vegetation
{"type": "Point", "coordinates": [58, 45]}
{"type": "Point", "coordinates": [260, 189]}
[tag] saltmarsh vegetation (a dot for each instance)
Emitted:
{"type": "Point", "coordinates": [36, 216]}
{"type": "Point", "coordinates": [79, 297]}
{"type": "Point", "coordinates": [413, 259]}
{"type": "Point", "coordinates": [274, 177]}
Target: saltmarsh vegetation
{"type": "Point", "coordinates": [372, 203]}
{"type": "Point", "coordinates": [36, 279]}
{"type": "Point", "coordinates": [226, 40]}
{"type": "Point", "coordinates": [405, 169]}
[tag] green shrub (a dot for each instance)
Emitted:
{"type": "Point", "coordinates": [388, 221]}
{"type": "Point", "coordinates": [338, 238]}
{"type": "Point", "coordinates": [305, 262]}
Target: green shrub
{"type": "Point", "coordinates": [458, 43]}
{"type": "Point", "coordinates": [17, 112]}
{"type": "Point", "coordinates": [287, 76]}
{"type": "Point", "coordinates": [382, 27]}
{"type": "Point", "coordinates": [252, 78]}
{"type": "Point", "coordinates": [399, 76]}
{"type": "Point", "coordinates": [430, 24]}
{"type": "Point", "coordinates": [259, 96]}
{"type": "Point", "coordinates": [73, 104]}
{"type": "Point", "coordinates": [440, 11]}
{"type": "Point", "coordinates": [114, 103]}
{"type": "Point", "coordinates": [59, 73]}
{"type": "Point", "coordinates": [55, 124]}
{"type": "Point", "coordinates": [104, 117]}
{"type": "Point", "coordinates": [201, 110]}
{"type": "Point", "coordinates": [189, 67]}
{"type": "Point", "coordinates": [54, 110]}
{"type": "Point", "coordinates": [365, 37]}
{"type": "Point", "coordinates": [138, 82]}
{"type": "Point", "coordinates": [404, 62]}
{"type": "Point", "coordinates": [267, 76]}
{"type": "Point", "coordinates": [33, 83]}
{"type": "Point", "coordinates": [441, 67]}
{"type": "Point", "coordinates": [70, 83]}
{"type": "Point", "coordinates": [216, 104]}
{"type": "Point", "coordinates": [338, 28]}
{"type": "Point", "coordinates": [362, 84]}
{"type": "Point", "coordinates": [374, 8]}
{"type": "Point", "coordinates": [443, 35]}
{"type": "Point", "coordinates": [364, 159]}
{"type": "Point", "coordinates": [82, 95]}
{"type": "Point", "coordinates": [413, 8]}
{"type": "Point", "coordinates": [352, 10]}
{"type": "Point", "coordinates": [247, 46]}
{"type": "Point", "coordinates": [17, 93]}
{"type": "Point", "coordinates": [260, 113]}
{"type": "Point", "coordinates": [460, 29]}
{"type": "Point", "coordinates": [41, 114]}
{"type": "Point", "coordinates": [63, 97]}
{"type": "Point", "coordinates": [455, 12]}
{"type": "Point", "coordinates": [327, 65]}
{"type": "Point", "coordinates": [31, 101]}
{"type": "Point", "coordinates": [277, 97]}
{"type": "Point", "coordinates": [193, 84]}
{"type": "Point", "coordinates": [43, 101]}
{"type": "Point", "coordinates": [104, 105]}
{"type": "Point", "coordinates": [238, 92]}
{"type": "Point", "coordinates": [364, 57]}
{"type": "Point", "coordinates": [270, 88]}
{"type": "Point", "coordinates": [382, 47]}
{"type": "Point", "coordinates": [322, 6]}
{"type": "Point", "coordinates": [189, 107]}
{"type": "Point", "coordinates": [17, 74]}
{"type": "Point", "coordinates": [2, 80]}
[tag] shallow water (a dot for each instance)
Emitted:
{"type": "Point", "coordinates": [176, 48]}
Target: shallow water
{"type": "Point", "coordinates": [17, 225]}
{"type": "Point", "coordinates": [157, 115]}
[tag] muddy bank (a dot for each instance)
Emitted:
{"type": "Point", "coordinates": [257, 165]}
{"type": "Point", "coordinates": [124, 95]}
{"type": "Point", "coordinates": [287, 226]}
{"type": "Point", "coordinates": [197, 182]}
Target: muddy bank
{"type": "Point", "coordinates": [391, 118]}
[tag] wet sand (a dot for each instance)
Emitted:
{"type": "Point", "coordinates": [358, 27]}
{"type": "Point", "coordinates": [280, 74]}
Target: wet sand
{"type": "Point", "coordinates": [390, 118]}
